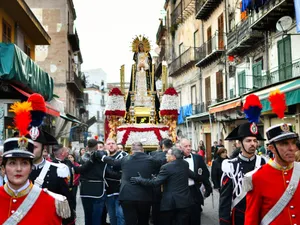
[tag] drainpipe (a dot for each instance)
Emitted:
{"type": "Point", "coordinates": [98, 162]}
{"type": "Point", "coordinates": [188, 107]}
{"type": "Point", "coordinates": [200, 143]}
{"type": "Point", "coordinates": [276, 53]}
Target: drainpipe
{"type": "Point", "coordinates": [225, 61]}
{"type": "Point", "coordinates": [267, 50]}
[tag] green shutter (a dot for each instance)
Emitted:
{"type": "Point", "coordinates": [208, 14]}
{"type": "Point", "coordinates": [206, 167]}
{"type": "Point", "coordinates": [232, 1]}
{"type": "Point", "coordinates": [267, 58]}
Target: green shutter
{"type": "Point", "coordinates": [242, 82]}
{"type": "Point", "coordinates": [284, 58]}
{"type": "Point", "coordinates": [257, 78]}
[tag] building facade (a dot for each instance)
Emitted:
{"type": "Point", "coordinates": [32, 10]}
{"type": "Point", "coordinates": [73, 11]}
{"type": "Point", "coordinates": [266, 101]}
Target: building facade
{"type": "Point", "coordinates": [97, 96]}
{"type": "Point", "coordinates": [237, 52]}
{"type": "Point", "coordinates": [20, 33]}
{"type": "Point", "coordinates": [63, 59]}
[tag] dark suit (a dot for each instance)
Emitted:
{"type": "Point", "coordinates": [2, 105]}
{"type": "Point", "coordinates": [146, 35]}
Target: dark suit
{"type": "Point", "coordinates": [160, 156]}
{"type": "Point", "coordinates": [202, 177]}
{"type": "Point", "coordinates": [92, 189]}
{"type": "Point", "coordinates": [55, 184]}
{"type": "Point", "coordinates": [176, 197]}
{"type": "Point", "coordinates": [135, 200]}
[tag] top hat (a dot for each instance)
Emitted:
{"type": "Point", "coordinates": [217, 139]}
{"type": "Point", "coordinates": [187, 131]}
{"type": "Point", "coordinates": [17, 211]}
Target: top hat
{"type": "Point", "coordinates": [18, 147]}
{"type": "Point", "coordinates": [280, 132]}
{"type": "Point", "coordinates": [245, 130]}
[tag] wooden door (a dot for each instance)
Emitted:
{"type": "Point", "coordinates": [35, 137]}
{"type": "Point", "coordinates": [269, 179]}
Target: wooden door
{"type": "Point", "coordinates": [208, 147]}
{"type": "Point", "coordinates": [221, 32]}
{"type": "Point", "coordinates": [209, 40]}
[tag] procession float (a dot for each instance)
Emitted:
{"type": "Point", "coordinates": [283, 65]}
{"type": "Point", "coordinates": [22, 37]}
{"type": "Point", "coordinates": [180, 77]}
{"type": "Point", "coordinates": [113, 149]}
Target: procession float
{"type": "Point", "coordinates": [142, 113]}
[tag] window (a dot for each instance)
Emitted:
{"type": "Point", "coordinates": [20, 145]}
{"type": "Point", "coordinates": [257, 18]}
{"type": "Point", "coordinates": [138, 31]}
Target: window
{"type": "Point", "coordinates": [209, 41]}
{"type": "Point", "coordinates": [98, 115]}
{"type": "Point", "coordinates": [27, 50]}
{"type": "Point", "coordinates": [6, 32]}
{"type": "Point", "coordinates": [242, 82]}
{"type": "Point", "coordinates": [284, 58]}
{"type": "Point", "coordinates": [221, 32]}
{"type": "Point", "coordinates": [181, 50]}
{"type": "Point", "coordinates": [179, 97]}
{"type": "Point", "coordinates": [256, 72]}
{"type": "Point", "coordinates": [196, 39]}
{"type": "Point", "coordinates": [207, 92]}
{"type": "Point", "coordinates": [219, 79]}
{"type": "Point", "coordinates": [194, 95]}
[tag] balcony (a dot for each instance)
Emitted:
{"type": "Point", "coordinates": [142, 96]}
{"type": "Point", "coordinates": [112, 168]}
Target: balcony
{"type": "Point", "coordinates": [270, 13]}
{"type": "Point", "coordinates": [200, 108]}
{"type": "Point", "coordinates": [242, 37]}
{"type": "Point", "coordinates": [74, 40]}
{"type": "Point", "coordinates": [160, 32]}
{"type": "Point", "coordinates": [184, 61]}
{"type": "Point", "coordinates": [75, 83]}
{"type": "Point", "coordinates": [211, 50]}
{"type": "Point", "coordinates": [182, 11]}
{"type": "Point", "coordinates": [271, 77]}
{"type": "Point", "coordinates": [204, 8]}
{"type": "Point", "coordinates": [279, 74]}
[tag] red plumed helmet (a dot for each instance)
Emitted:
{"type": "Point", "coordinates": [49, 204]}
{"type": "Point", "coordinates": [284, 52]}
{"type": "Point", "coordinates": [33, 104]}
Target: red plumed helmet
{"type": "Point", "coordinates": [37, 102]}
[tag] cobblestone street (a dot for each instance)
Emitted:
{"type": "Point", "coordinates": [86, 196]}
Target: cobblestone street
{"type": "Point", "coordinates": [209, 214]}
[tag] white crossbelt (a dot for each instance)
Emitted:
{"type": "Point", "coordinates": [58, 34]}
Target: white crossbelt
{"type": "Point", "coordinates": [285, 198]}
{"type": "Point", "coordinates": [40, 179]}
{"type": "Point", "coordinates": [24, 208]}
{"type": "Point", "coordinates": [243, 194]}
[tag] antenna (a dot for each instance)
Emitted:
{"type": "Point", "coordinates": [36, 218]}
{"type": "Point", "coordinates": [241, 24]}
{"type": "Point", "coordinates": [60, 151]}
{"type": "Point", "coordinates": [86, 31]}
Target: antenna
{"type": "Point", "coordinates": [284, 23]}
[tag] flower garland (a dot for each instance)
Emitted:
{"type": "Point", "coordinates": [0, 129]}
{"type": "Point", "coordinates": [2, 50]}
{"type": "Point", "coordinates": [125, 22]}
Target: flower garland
{"type": "Point", "coordinates": [169, 103]}
{"type": "Point", "coordinates": [115, 103]}
{"type": "Point", "coordinates": [128, 130]}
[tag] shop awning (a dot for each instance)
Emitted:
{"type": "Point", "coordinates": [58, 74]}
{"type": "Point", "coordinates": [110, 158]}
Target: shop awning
{"type": "Point", "coordinates": [290, 88]}
{"type": "Point", "coordinates": [70, 119]}
{"type": "Point", "coordinates": [49, 109]}
{"type": "Point", "coordinates": [17, 67]}
{"type": "Point", "coordinates": [226, 105]}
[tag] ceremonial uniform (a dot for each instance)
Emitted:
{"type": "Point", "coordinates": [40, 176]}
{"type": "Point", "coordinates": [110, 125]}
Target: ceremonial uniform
{"type": "Point", "coordinates": [273, 190]}
{"type": "Point", "coordinates": [269, 183]}
{"type": "Point", "coordinates": [38, 214]}
{"type": "Point", "coordinates": [232, 205]}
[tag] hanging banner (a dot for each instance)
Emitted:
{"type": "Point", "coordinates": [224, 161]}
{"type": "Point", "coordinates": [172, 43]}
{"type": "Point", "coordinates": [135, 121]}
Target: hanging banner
{"type": "Point", "coordinates": [297, 12]}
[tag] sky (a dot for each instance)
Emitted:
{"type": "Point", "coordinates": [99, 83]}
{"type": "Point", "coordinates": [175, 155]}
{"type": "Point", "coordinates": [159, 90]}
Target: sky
{"type": "Point", "coordinates": [106, 29]}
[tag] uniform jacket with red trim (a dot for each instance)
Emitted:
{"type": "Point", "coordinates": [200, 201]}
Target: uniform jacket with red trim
{"type": "Point", "coordinates": [268, 185]}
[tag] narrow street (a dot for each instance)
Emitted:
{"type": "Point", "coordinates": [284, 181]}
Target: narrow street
{"type": "Point", "coordinates": [209, 214]}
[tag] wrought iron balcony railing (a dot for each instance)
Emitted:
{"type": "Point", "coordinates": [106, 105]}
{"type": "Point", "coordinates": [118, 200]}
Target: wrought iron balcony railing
{"type": "Point", "coordinates": [204, 8]}
{"type": "Point", "coordinates": [186, 59]}
{"type": "Point", "coordinates": [213, 48]}
{"type": "Point", "coordinates": [242, 37]}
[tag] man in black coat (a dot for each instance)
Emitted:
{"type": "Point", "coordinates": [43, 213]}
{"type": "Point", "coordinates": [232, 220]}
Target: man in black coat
{"type": "Point", "coordinates": [176, 198]}
{"type": "Point", "coordinates": [232, 204]}
{"type": "Point", "coordinates": [56, 178]}
{"type": "Point", "coordinates": [165, 145]}
{"type": "Point", "coordinates": [92, 187]}
{"type": "Point", "coordinates": [196, 165]}
{"type": "Point", "coordinates": [135, 200]}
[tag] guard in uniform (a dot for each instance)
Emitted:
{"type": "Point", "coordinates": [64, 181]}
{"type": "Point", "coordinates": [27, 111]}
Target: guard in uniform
{"type": "Point", "coordinates": [274, 190]}
{"type": "Point", "coordinates": [53, 176]}
{"type": "Point", "coordinates": [232, 197]}
{"type": "Point", "coordinates": [21, 201]}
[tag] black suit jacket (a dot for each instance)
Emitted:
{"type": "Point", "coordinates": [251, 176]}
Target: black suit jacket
{"type": "Point", "coordinates": [174, 177]}
{"type": "Point", "coordinates": [202, 177]}
{"type": "Point", "coordinates": [131, 165]}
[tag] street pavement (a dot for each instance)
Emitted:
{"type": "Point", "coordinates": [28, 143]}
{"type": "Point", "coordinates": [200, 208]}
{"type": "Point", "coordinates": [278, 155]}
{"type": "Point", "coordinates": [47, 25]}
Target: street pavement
{"type": "Point", "coordinates": [209, 214]}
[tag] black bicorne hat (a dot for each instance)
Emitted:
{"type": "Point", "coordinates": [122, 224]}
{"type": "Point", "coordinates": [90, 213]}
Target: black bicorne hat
{"type": "Point", "coordinates": [280, 132]}
{"type": "Point", "coordinates": [43, 137]}
{"type": "Point", "coordinates": [18, 147]}
{"type": "Point", "coordinates": [245, 130]}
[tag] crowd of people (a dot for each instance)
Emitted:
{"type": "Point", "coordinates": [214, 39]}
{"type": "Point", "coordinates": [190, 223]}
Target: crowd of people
{"type": "Point", "coordinates": [168, 186]}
